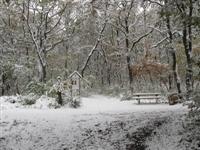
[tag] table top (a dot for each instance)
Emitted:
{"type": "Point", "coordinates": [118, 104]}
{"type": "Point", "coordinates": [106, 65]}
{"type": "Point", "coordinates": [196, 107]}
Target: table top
{"type": "Point", "coordinates": [145, 94]}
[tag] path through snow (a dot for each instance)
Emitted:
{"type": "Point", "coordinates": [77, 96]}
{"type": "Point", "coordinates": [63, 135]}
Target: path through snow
{"type": "Point", "coordinates": [101, 123]}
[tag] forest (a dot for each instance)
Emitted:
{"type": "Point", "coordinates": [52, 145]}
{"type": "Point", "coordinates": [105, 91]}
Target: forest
{"type": "Point", "coordinates": [117, 47]}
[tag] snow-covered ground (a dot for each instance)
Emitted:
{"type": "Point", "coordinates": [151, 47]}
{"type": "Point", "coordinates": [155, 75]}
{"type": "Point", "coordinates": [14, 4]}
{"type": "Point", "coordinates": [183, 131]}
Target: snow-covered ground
{"type": "Point", "coordinates": [100, 123]}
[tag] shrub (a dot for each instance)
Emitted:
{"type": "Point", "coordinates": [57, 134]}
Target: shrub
{"type": "Point", "coordinates": [126, 95]}
{"type": "Point", "coordinates": [74, 102]}
{"type": "Point", "coordinates": [28, 99]}
{"type": "Point", "coordinates": [38, 87]}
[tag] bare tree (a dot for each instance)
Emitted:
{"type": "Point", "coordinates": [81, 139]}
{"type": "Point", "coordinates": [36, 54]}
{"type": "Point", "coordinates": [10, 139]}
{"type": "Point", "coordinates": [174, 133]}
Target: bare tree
{"type": "Point", "coordinates": [44, 25]}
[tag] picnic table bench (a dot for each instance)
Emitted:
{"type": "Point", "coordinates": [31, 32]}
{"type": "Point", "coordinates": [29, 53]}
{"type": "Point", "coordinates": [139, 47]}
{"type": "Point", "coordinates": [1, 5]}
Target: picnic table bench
{"type": "Point", "coordinates": [146, 96]}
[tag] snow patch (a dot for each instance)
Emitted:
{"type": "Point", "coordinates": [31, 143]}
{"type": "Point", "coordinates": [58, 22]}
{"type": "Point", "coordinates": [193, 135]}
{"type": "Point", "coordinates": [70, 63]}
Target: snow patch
{"type": "Point", "coordinates": [28, 101]}
{"type": "Point", "coordinates": [45, 102]}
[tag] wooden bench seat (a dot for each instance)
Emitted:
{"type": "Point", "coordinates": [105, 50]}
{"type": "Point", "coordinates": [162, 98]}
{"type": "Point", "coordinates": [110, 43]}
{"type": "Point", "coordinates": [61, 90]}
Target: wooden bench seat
{"type": "Point", "coordinates": [152, 97]}
{"type": "Point", "coordinates": [146, 97]}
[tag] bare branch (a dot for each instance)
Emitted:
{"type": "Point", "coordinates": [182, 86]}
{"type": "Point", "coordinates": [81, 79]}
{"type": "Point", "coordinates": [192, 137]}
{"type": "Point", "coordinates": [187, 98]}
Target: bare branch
{"type": "Point", "coordinates": [140, 38]}
{"type": "Point", "coordinates": [54, 45]}
{"type": "Point", "coordinates": [155, 2]}
{"type": "Point", "coordinates": [93, 49]}
{"type": "Point", "coordinates": [160, 42]}
{"type": "Point", "coordinates": [129, 11]}
{"type": "Point", "coordinates": [117, 27]}
{"type": "Point", "coordinates": [34, 40]}
{"type": "Point", "coordinates": [61, 13]}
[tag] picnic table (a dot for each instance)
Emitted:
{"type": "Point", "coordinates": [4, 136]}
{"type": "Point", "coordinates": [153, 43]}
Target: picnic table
{"type": "Point", "coordinates": [146, 96]}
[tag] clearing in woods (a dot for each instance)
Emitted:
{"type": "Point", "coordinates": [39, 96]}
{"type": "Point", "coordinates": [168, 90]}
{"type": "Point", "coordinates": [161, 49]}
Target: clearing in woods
{"type": "Point", "coordinates": [100, 123]}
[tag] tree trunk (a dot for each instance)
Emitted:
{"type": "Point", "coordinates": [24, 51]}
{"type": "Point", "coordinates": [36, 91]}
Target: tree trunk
{"type": "Point", "coordinates": [189, 63]}
{"type": "Point", "coordinates": [17, 88]}
{"type": "Point", "coordinates": [3, 84]}
{"type": "Point", "coordinates": [187, 42]}
{"type": "Point", "coordinates": [109, 74]}
{"type": "Point", "coordinates": [42, 72]}
{"type": "Point", "coordinates": [175, 73]}
{"type": "Point", "coordinates": [173, 54]}
{"type": "Point", "coordinates": [66, 61]}
{"type": "Point", "coordinates": [60, 101]}
{"type": "Point", "coordinates": [128, 58]}
{"type": "Point", "coordinates": [189, 57]}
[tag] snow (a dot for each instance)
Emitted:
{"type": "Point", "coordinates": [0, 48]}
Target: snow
{"type": "Point", "coordinates": [13, 102]}
{"type": "Point", "coordinates": [100, 123]}
{"type": "Point", "coordinates": [7, 102]}
{"type": "Point", "coordinates": [168, 137]}
{"type": "Point", "coordinates": [45, 102]}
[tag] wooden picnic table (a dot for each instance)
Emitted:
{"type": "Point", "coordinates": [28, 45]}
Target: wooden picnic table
{"type": "Point", "coordinates": [147, 96]}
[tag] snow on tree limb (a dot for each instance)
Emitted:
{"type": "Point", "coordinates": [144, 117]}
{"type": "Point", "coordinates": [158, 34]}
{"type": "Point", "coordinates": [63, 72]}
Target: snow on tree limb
{"type": "Point", "coordinates": [160, 42]}
{"type": "Point", "coordinates": [54, 45]}
{"type": "Point", "coordinates": [155, 2]}
{"type": "Point", "coordinates": [93, 49]}
{"type": "Point", "coordinates": [140, 38]}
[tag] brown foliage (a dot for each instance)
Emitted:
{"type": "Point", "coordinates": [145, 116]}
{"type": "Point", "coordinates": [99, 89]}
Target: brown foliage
{"type": "Point", "coordinates": [150, 68]}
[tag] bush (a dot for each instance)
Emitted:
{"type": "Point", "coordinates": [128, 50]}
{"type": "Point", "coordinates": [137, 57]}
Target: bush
{"type": "Point", "coordinates": [74, 102]}
{"type": "Point", "coordinates": [28, 99]}
{"type": "Point", "coordinates": [38, 87]}
{"type": "Point", "coordinates": [126, 95]}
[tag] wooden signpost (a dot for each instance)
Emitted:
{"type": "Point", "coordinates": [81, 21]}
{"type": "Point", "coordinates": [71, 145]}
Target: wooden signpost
{"type": "Point", "coordinates": [75, 81]}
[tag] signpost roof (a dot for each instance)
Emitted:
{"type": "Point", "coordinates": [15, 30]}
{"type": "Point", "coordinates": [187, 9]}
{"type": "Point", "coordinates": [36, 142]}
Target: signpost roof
{"type": "Point", "coordinates": [75, 72]}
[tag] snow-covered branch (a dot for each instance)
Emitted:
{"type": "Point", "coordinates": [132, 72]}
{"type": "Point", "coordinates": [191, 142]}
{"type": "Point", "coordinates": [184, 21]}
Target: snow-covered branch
{"type": "Point", "coordinates": [140, 38]}
{"type": "Point", "coordinates": [37, 48]}
{"type": "Point", "coordinates": [54, 45]}
{"type": "Point", "coordinates": [160, 42]}
{"type": "Point", "coordinates": [93, 49]}
{"type": "Point", "coordinates": [155, 2]}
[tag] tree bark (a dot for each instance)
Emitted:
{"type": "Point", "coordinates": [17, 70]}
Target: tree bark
{"type": "Point", "coordinates": [187, 42]}
{"type": "Point", "coordinates": [60, 101]}
{"type": "Point", "coordinates": [173, 54]}
{"type": "Point", "coordinates": [3, 84]}
{"type": "Point", "coordinates": [128, 58]}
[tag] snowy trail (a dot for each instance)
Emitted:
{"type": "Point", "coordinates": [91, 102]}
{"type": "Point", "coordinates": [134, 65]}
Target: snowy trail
{"type": "Point", "coordinates": [101, 123]}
